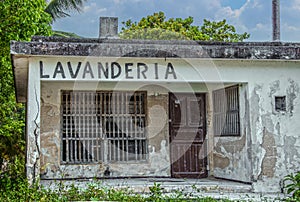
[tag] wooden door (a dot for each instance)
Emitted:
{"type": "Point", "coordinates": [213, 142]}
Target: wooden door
{"type": "Point", "coordinates": [187, 135]}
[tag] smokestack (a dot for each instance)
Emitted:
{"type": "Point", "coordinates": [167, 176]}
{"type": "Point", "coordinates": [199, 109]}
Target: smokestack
{"type": "Point", "coordinates": [276, 19]}
{"type": "Point", "coordinates": [108, 27]}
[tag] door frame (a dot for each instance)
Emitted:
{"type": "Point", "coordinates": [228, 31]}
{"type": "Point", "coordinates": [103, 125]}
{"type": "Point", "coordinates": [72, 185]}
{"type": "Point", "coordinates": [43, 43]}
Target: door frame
{"type": "Point", "coordinates": [204, 144]}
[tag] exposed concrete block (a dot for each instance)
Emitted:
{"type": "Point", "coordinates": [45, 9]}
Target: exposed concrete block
{"type": "Point", "coordinates": [108, 27]}
{"type": "Point", "coordinates": [221, 161]}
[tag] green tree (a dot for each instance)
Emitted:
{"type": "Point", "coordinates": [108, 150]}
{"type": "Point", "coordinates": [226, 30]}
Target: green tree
{"type": "Point", "coordinates": [19, 20]}
{"type": "Point", "coordinates": [59, 8]}
{"type": "Point", "coordinates": [157, 27]}
{"type": "Point", "coordinates": [221, 31]}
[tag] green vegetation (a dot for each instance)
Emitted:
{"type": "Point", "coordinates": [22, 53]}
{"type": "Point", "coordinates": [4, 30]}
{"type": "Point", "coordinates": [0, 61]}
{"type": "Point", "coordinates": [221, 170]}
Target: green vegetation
{"type": "Point", "coordinates": [65, 34]}
{"type": "Point", "coordinates": [292, 186]}
{"type": "Point", "coordinates": [20, 191]}
{"type": "Point", "coordinates": [20, 20]}
{"type": "Point", "coordinates": [158, 28]}
{"type": "Point", "coordinates": [59, 8]}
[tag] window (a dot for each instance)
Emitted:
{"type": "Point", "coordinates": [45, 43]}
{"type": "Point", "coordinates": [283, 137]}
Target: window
{"type": "Point", "coordinates": [103, 126]}
{"type": "Point", "coordinates": [280, 103]}
{"type": "Point", "coordinates": [226, 111]}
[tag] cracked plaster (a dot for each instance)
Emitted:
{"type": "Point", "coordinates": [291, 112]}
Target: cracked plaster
{"type": "Point", "coordinates": [158, 163]}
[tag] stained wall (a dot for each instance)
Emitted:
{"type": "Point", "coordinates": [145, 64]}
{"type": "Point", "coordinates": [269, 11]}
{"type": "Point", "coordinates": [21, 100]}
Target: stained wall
{"type": "Point", "coordinates": [267, 149]}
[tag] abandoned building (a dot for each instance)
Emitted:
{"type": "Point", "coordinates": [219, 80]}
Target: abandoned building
{"type": "Point", "coordinates": [181, 109]}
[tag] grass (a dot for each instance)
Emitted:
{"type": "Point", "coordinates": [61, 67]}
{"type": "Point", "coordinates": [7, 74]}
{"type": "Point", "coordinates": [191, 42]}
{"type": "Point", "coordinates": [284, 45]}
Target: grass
{"type": "Point", "coordinates": [18, 189]}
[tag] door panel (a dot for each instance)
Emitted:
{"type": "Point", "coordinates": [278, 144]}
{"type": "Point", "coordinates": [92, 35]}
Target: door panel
{"type": "Point", "coordinates": [187, 135]}
{"type": "Point", "coordinates": [179, 118]}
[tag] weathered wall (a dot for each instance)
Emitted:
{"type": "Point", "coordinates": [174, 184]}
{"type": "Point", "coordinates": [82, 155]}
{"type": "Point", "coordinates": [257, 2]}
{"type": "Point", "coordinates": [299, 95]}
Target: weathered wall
{"type": "Point", "coordinates": [231, 156]}
{"type": "Point", "coordinates": [267, 150]}
{"type": "Point", "coordinates": [50, 131]}
{"type": "Point", "coordinates": [157, 163]}
{"type": "Point", "coordinates": [270, 149]}
{"type": "Point", "coordinates": [276, 147]}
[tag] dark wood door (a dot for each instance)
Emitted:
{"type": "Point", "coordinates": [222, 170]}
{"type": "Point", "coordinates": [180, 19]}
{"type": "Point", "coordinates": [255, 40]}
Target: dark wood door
{"type": "Point", "coordinates": [187, 135]}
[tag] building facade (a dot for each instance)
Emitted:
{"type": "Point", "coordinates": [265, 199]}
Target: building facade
{"type": "Point", "coordinates": [181, 109]}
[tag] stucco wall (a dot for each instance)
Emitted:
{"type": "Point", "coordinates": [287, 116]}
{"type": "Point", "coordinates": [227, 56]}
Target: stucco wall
{"type": "Point", "coordinates": [276, 145]}
{"type": "Point", "coordinates": [267, 150]}
{"type": "Point", "coordinates": [231, 156]}
{"type": "Point", "coordinates": [157, 163]}
{"type": "Point", "coordinates": [270, 149]}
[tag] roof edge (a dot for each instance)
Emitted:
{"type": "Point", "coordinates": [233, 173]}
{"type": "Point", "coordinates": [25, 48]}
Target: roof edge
{"type": "Point", "coordinates": [58, 46]}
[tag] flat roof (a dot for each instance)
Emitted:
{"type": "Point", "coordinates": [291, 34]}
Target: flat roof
{"type": "Point", "coordinates": [155, 48]}
{"type": "Point", "coordinates": [63, 47]}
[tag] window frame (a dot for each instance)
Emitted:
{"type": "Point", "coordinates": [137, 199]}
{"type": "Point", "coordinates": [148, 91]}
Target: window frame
{"type": "Point", "coordinates": [280, 100]}
{"type": "Point", "coordinates": [226, 115]}
{"type": "Point", "coordinates": [102, 135]}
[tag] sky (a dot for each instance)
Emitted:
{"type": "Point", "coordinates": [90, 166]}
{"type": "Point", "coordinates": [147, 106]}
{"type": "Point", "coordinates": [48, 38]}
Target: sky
{"type": "Point", "coordinates": [251, 16]}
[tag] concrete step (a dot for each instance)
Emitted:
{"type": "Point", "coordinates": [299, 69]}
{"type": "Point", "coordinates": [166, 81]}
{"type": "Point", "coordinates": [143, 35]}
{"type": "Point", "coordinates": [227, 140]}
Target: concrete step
{"type": "Point", "coordinates": [185, 185]}
{"type": "Point", "coordinates": [208, 187]}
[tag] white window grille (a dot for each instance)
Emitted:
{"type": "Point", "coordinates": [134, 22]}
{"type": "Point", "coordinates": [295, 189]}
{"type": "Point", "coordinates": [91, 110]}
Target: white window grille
{"type": "Point", "coordinates": [103, 126]}
{"type": "Point", "coordinates": [226, 111]}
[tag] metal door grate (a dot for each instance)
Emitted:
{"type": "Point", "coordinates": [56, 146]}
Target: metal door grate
{"type": "Point", "coordinates": [103, 126]}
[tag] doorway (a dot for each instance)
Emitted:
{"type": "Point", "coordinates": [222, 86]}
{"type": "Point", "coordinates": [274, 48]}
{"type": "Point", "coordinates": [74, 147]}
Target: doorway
{"type": "Point", "coordinates": [187, 131]}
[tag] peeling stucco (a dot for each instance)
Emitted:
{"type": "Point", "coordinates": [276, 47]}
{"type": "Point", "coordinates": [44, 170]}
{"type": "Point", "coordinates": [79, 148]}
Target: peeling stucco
{"type": "Point", "coordinates": [221, 161]}
{"type": "Point", "coordinates": [157, 163]}
{"type": "Point", "coordinates": [292, 154]}
{"type": "Point", "coordinates": [232, 154]}
{"type": "Point", "coordinates": [274, 87]}
{"type": "Point", "coordinates": [292, 93]}
{"type": "Point", "coordinates": [33, 138]}
{"type": "Point", "coordinates": [268, 165]}
{"type": "Point", "coordinates": [275, 151]}
{"type": "Point", "coordinates": [266, 150]}
{"type": "Point", "coordinates": [232, 147]}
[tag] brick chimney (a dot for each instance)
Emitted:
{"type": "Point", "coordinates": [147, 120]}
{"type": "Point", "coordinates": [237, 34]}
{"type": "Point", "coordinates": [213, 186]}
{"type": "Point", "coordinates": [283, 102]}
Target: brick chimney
{"type": "Point", "coordinates": [108, 27]}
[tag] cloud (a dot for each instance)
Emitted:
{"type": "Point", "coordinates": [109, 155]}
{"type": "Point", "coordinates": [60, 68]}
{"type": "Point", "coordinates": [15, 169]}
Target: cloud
{"type": "Point", "coordinates": [236, 13]}
{"type": "Point", "coordinates": [101, 10]}
{"type": "Point", "coordinates": [254, 16]}
{"type": "Point", "coordinates": [296, 5]}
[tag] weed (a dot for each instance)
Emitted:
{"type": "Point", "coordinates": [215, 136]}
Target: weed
{"type": "Point", "coordinates": [292, 185]}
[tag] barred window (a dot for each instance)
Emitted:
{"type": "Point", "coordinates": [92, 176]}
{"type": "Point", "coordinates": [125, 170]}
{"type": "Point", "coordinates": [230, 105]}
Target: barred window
{"type": "Point", "coordinates": [280, 103]}
{"type": "Point", "coordinates": [226, 111]}
{"type": "Point", "coordinates": [103, 126]}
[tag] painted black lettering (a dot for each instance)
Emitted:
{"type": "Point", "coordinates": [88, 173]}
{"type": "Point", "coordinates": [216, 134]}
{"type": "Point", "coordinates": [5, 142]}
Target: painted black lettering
{"type": "Point", "coordinates": [72, 74]}
{"type": "Point", "coordinates": [118, 68]}
{"type": "Point", "coordinates": [128, 70]}
{"type": "Point", "coordinates": [156, 70]}
{"type": "Point", "coordinates": [101, 69]}
{"type": "Point", "coordinates": [139, 66]}
{"type": "Point", "coordinates": [88, 70]}
{"type": "Point", "coordinates": [59, 70]}
{"type": "Point", "coordinates": [42, 75]}
{"type": "Point", "coordinates": [170, 70]}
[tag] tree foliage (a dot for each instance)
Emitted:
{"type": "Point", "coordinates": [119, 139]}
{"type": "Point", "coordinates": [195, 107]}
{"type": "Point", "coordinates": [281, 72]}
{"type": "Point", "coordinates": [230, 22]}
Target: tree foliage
{"type": "Point", "coordinates": [59, 8]}
{"type": "Point", "coordinates": [157, 27]}
{"type": "Point", "coordinates": [57, 33]}
{"type": "Point", "coordinates": [19, 20]}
